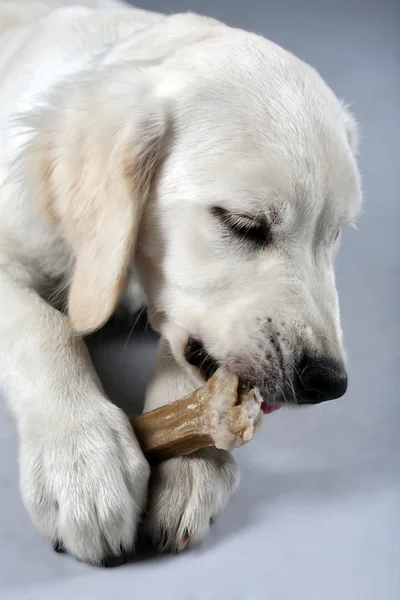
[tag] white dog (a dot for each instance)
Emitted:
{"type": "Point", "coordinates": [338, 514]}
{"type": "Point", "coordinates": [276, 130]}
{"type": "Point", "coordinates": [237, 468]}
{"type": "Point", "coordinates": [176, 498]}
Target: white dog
{"type": "Point", "coordinates": [201, 164]}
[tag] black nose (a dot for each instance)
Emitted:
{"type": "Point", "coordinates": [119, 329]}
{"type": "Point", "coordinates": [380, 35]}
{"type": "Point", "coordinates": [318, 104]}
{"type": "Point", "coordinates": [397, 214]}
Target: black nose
{"type": "Point", "coordinates": [320, 380]}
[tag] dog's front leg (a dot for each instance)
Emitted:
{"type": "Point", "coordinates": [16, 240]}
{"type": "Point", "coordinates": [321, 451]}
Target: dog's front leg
{"type": "Point", "coordinates": [83, 476]}
{"type": "Point", "coordinates": [186, 493]}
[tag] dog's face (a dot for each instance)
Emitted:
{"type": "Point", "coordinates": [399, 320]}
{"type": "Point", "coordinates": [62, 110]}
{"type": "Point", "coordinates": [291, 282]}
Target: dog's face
{"type": "Point", "coordinates": [238, 240]}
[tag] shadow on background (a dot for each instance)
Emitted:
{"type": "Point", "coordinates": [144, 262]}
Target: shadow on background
{"type": "Point", "coordinates": [123, 353]}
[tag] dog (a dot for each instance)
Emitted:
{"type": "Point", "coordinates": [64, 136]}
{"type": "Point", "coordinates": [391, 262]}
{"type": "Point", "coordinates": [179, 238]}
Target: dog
{"type": "Point", "coordinates": [180, 163]}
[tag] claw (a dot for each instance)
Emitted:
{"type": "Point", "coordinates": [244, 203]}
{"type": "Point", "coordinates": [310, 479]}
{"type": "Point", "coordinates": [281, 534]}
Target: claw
{"type": "Point", "coordinates": [185, 539]}
{"type": "Point", "coordinates": [58, 547]}
{"type": "Point", "coordinates": [162, 541]}
{"type": "Point", "coordinates": [114, 561]}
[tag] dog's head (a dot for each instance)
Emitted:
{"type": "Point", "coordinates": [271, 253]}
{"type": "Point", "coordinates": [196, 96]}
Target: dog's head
{"type": "Point", "coordinates": [240, 168]}
{"type": "Point", "coordinates": [245, 219]}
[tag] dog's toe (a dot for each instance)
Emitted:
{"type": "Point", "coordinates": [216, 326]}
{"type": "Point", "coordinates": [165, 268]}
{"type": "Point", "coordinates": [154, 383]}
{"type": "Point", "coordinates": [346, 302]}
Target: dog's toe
{"type": "Point", "coordinates": [186, 494]}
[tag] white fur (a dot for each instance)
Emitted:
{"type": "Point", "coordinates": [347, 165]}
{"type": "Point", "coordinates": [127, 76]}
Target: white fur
{"type": "Point", "coordinates": [119, 130]}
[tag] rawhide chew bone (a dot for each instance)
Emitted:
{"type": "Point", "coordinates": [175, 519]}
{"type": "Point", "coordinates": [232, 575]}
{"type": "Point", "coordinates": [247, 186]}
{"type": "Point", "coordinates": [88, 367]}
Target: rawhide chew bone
{"type": "Point", "coordinates": [223, 413]}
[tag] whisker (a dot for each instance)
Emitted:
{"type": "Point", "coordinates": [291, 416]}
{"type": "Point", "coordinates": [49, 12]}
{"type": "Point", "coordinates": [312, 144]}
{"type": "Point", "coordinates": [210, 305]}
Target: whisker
{"type": "Point", "coordinates": [328, 339]}
{"type": "Point", "coordinates": [130, 332]}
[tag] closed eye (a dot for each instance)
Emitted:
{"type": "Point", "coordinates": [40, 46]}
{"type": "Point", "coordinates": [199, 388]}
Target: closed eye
{"type": "Point", "coordinates": [253, 231]}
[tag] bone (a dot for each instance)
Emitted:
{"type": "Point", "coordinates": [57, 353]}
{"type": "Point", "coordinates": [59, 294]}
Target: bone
{"type": "Point", "coordinates": [223, 413]}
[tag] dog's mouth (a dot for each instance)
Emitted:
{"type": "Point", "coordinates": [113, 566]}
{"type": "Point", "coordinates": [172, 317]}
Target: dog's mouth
{"type": "Point", "coordinates": [197, 356]}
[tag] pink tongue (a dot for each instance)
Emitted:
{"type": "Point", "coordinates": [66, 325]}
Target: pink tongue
{"type": "Point", "coordinates": [269, 408]}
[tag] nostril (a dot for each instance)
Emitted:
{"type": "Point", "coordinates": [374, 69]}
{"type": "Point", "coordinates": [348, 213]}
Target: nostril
{"type": "Point", "coordinates": [321, 380]}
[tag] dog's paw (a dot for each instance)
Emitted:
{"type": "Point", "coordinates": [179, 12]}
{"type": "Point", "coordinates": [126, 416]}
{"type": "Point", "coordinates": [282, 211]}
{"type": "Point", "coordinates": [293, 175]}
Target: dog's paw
{"type": "Point", "coordinates": [186, 495]}
{"type": "Point", "coordinates": [84, 483]}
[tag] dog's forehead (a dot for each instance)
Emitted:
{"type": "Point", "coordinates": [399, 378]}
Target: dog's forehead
{"type": "Point", "coordinates": [252, 78]}
{"type": "Point", "coordinates": [243, 169]}
{"type": "Point", "coordinates": [255, 126]}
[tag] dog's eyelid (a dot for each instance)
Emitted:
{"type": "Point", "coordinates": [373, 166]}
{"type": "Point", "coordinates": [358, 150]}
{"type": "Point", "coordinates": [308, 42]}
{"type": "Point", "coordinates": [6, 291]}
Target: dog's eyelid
{"type": "Point", "coordinates": [249, 229]}
{"type": "Point", "coordinates": [239, 218]}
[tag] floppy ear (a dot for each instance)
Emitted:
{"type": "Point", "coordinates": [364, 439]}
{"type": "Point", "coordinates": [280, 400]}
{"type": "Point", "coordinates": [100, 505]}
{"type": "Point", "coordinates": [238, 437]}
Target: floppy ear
{"type": "Point", "coordinates": [93, 159]}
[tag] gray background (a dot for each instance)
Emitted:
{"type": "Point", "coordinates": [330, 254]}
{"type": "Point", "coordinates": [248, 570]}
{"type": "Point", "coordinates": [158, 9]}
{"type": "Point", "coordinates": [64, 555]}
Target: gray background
{"type": "Point", "coordinates": [317, 514]}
